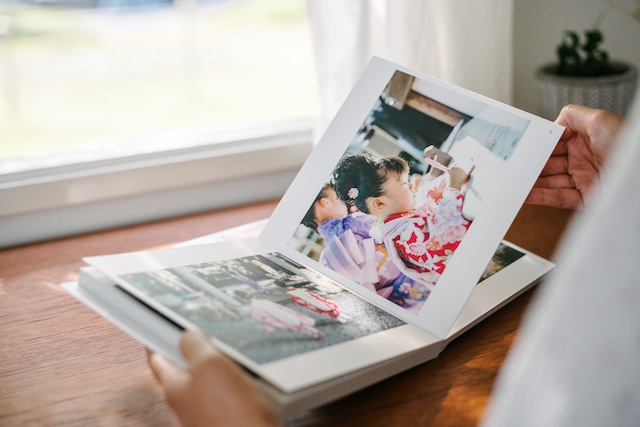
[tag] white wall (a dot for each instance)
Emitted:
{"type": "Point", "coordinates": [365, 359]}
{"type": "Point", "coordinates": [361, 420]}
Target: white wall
{"type": "Point", "coordinates": [538, 30]}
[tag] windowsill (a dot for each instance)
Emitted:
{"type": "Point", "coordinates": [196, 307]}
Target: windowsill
{"type": "Point", "coordinates": [140, 188]}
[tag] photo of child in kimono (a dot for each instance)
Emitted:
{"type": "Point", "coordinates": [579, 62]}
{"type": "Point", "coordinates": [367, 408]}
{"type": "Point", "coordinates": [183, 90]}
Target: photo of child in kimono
{"type": "Point", "coordinates": [407, 188]}
{"type": "Point", "coordinates": [351, 251]}
{"type": "Point", "coordinates": [420, 229]}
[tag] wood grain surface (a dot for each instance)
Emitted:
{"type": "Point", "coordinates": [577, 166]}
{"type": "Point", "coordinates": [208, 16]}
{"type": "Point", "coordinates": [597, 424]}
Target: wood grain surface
{"type": "Point", "coordinates": [63, 365]}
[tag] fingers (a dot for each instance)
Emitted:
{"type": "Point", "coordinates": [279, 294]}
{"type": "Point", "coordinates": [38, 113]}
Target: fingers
{"type": "Point", "coordinates": [168, 374]}
{"type": "Point", "coordinates": [562, 147]}
{"type": "Point", "coordinates": [555, 182]}
{"type": "Point", "coordinates": [575, 118]}
{"type": "Point", "coordinates": [565, 198]}
{"type": "Point", "coordinates": [198, 351]}
{"type": "Point", "coordinates": [196, 347]}
{"type": "Point", "coordinates": [214, 391]}
{"type": "Point", "coordinates": [558, 191]}
{"type": "Point", "coordinates": [556, 165]}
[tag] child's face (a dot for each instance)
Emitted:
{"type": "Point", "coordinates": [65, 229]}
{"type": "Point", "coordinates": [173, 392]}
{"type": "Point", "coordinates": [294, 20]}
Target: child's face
{"type": "Point", "coordinates": [334, 205]}
{"type": "Point", "coordinates": [398, 194]}
{"type": "Point", "coordinates": [329, 207]}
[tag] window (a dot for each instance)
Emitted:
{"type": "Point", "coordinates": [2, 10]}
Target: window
{"type": "Point", "coordinates": [102, 100]}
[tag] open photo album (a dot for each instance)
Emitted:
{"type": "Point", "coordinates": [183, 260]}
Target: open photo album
{"type": "Point", "coordinates": [387, 245]}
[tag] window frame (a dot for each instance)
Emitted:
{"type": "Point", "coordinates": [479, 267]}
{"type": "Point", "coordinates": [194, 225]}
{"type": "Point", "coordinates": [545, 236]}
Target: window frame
{"type": "Point", "coordinates": [90, 196]}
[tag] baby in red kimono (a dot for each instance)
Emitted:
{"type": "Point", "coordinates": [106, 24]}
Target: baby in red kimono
{"type": "Point", "coordinates": [422, 233]}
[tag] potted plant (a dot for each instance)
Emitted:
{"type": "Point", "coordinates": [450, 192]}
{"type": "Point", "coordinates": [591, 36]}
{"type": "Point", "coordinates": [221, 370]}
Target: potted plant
{"type": "Point", "coordinates": [584, 74]}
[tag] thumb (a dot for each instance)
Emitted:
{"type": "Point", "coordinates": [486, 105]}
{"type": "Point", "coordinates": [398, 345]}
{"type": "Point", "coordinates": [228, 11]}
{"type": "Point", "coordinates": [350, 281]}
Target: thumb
{"type": "Point", "coordinates": [168, 374]}
{"type": "Point", "coordinates": [196, 347]}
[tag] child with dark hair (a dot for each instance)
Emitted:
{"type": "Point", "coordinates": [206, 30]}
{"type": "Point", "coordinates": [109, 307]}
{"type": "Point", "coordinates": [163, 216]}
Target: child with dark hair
{"type": "Point", "coordinates": [351, 251]}
{"type": "Point", "coordinates": [328, 215]}
{"type": "Point", "coordinates": [420, 239]}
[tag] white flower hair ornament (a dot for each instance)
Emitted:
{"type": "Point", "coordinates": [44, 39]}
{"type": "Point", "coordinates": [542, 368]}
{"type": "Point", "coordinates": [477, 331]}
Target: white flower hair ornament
{"type": "Point", "coordinates": [353, 193]}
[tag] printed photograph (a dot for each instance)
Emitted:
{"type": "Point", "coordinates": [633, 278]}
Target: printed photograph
{"type": "Point", "coordinates": [267, 307]}
{"type": "Point", "coordinates": [395, 208]}
{"type": "Point", "coordinates": [503, 257]}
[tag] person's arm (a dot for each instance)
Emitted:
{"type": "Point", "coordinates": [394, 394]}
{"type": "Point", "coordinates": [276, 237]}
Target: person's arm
{"type": "Point", "coordinates": [214, 391]}
{"type": "Point", "coordinates": [575, 164]}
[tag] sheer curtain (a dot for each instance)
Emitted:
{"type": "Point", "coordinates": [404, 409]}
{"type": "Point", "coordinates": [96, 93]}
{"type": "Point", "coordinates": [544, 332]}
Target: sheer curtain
{"type": "Point", "coordinates": [465, 42]}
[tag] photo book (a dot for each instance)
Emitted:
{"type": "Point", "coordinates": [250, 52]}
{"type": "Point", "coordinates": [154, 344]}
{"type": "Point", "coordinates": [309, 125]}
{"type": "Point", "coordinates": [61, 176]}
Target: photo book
{"type": "Point", "coordinates": [387, 245]}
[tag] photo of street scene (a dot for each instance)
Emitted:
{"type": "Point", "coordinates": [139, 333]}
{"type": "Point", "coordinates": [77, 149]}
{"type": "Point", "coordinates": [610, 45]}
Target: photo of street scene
{"type": "Point", "coordinates": [267, 307]}
{"type": "Point", "coordinates": [502, 258]}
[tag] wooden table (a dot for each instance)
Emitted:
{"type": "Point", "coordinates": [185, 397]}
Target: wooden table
{"type": "Point", "coordinates": [61, 364]}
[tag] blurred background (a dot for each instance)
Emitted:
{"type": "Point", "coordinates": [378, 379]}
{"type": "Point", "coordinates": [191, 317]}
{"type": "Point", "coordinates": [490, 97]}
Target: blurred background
{"type": "Point", "coordinates": [114, 112]}
{"type": "Point", "coordinates": [79, 78]}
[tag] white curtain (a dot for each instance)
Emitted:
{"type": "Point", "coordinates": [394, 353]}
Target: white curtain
{"type": "Point", "coordinates": [465, 42]}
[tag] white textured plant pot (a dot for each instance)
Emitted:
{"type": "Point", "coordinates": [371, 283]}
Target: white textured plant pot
{"type": "Point", "coordinates": [612, 93]}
